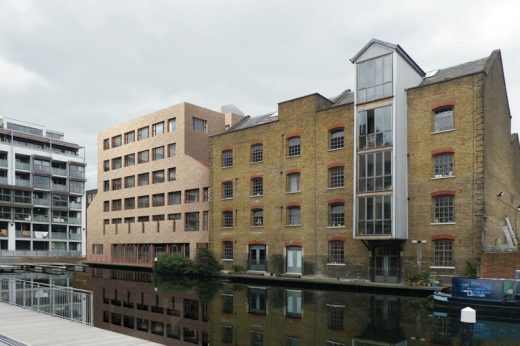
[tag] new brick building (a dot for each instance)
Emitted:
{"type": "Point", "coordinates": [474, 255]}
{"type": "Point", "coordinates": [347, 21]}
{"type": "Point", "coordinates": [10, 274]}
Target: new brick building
{"type": "Point", "coordinates": [400, 176]}
{"type": "Point", "coordinates": [153, 185]}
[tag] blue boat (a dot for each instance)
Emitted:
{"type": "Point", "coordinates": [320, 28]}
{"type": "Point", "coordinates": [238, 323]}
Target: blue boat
{"type": "Point", "coordinates": [491, 297]}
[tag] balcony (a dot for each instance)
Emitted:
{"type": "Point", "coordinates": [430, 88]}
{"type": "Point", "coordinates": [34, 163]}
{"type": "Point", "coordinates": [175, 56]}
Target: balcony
{"type": "Point", "coordinates": [41, 201]}
{"type": "Point", "coordinates": [26, 166]}
{"type": "Point", "coordinates": [41, 168]}
{"type": "Point", "coordinates": [75, 236]}
{"type": "Point", "coordinates": [58, 235]}
{"type": "Point", "coordinates": [4, 163]}
{"type": "Point", "coordinates": [3, 180]}
{"type": "Point", "coordinates": [75, 220]}
{"type": "Point", "coordinates": [58, 219]}
{"type": "Point", "coordinates": [74, 205]}
{"type": "Point", "coordinates": [59, 187]}
{"type": "Point", "coordinates": [59, 171]}
{"type": "Point", "coordinates": [23, 182]}
{"type": "Point", "coordinates": [41, 218]}
{"type": "Point", "coordinates": [23, 234]}
{"type": "Point", "coordinates": [41, 235]}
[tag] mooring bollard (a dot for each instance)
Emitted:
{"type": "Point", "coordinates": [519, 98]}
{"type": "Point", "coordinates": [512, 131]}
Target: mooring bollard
{"type": "Point", "coordinates": [468, 317]}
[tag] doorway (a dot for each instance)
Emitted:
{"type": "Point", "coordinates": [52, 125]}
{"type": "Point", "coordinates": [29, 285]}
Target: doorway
{"type": "Point", "coordinates": [386, 264]}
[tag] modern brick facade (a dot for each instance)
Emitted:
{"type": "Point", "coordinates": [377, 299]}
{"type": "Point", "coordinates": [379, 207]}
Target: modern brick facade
{"type": "Point", "coordinates": [153, 185]}
{"type": "Point", "coordinates": [398, 177]}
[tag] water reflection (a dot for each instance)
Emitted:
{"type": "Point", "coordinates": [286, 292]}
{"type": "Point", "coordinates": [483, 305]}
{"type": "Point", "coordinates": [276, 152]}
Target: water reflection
{"type": "Point", "coordinates": [183, 312]}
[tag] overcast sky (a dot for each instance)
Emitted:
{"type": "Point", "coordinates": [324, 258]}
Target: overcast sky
{"type": "Point", "coordinates": [80, 66]}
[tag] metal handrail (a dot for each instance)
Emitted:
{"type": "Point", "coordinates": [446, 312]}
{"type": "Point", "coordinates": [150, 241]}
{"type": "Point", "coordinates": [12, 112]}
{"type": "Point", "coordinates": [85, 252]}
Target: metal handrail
{"type": "Point", "coordinates": [65, 302]}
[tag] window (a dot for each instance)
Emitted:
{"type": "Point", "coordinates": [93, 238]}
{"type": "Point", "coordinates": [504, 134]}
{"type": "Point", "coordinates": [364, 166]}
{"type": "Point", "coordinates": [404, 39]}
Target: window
{"type": "Point", "coordinates": [158, 129]}
{"type": "Point", "coordinates": [143, 179]}
{"type": "Point", "coordinates": [443, 165]}
{"type": "Point", "coordinates": [443, 119]}
{"type": "Point", "coordinates": [116, 204]}
{"type": "Point", "coordinates": [129, 160]}
{"type": "Point", "coordinates": [337, 215]}
{"type": "Point", "coordinates": [191, 196]}
{"type": "Point", "coordinates": [106, 206]}
{"type": "Point", "coordinates": [142, 133]}
{"type": "Point", "coordinates": [97, 249]}
{"type": "Point", "coordinates": [172, 174]}
{"type": "Point", "coordinates": [117, 221]}
{"type": "Point", "coordinates": [227, 334]}
{"type": "Point", "coordinates": [106, 165]}
{"type": "Point", "coordinates": [129, 219]}
{"type": "Point", "coordinates": [116, 184]}
{"type": "Point", "coordinates": [143, 201]}
{"type": "Point", "coordinates": [116, 163]}
{"type": "Point", "coordinates": [106, 185]}
{"type": "Point", "coordinates": [227, 189]}
{"type": "Point", "coordinates": [158, 153]}
{"type": "Point", "coordinates": [335, 317]}
{"type": "Point", "coordinates": [143, 218]}
{"type": "Point", "coordinates": [158, 177]}
{"type": "Point", "coordinates": [172, 149]}
{"type": "Point", "coordinates": [374, 79]}
{"type": "Point", "coordinates": [174, 197]}
{"type": "Point", "coordinates": [200, 125]}
{"type": "Point", "coordinates": [227, 158]}
{"type": "Point", "coordinates": [205, 220]}
{"type": "Point", "coordinates": [375, 128]}
{"type": "Point", "coordinates": [172, 125]}
{"type": "Point", "coordinates": [375, 171]}
{"type": "Point", "coordinates": [257, 186]}
{"type": "Point", "coordinates": [293, 182]}
{"type": "Point", "coordinates": [227, 299]}
{"type": "Point", "coordinates": [257, 217]}
{"type": "Point", "coordinates": [116, 141]}
{"type": "Point", "coordinates": [227, 218]}
{"type": "Point", "coordinates": [205, 194]}
{"type": "Point", "coordinates": [130, 203]}
{"type": "Point", "coordinates": [257, 153]}
{"type": "Point", "coordinates": [192, 221]}
{"type": "Point", "coordinates": [293, 304]}
{"type": "Point", "coordinates": [129, 137]}
{"type": "Point", "coordinates": [142, 156]}
{"type": "Point", "coordinates": [336, 252]}
{"type": "Point", "coordinates": [336, 177]}
{"type": "Point", "coordinates": [443, 209]}
{"type": "Point", "coordinates": [443, 253]}
{"type": "Point", "coordinates": [293, 216]}
{"type": "Point", "coordinates": [293, 146]}
{"type": "Point", "coordinates": [374, 215]}
{"type": "Point", "coordinates": [174, 216]}
{"type": "Point", "coordinates": [159, 217]}
{"type": "Point", "coordinates": [129, 181]}
{"type": "Point", "coordinates": [158, 200]}
{"type": "Point", "coordinates": [227, 250]}
{"type": "Point", "coordinates": [337, 138]}
{"type": "Point", "coordinates": [106, 144]}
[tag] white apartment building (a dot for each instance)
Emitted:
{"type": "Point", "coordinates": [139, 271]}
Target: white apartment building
{"type": "Point", "coordinates": [42, 192]}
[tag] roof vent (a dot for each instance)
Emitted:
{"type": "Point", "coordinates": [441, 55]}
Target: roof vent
{"type": "Point", "coordinates": [430, 74]}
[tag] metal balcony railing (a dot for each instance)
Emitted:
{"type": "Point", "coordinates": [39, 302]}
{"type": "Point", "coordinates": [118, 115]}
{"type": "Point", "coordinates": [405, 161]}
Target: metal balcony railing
{"type": "Point", "coordinates": [4, 163]}
{"type": "Point", "coordinates": [40, 201]}
{"type": "Point", "coordinates": [23, 165]}
{"type": "Point", "coordinates": [23, 182]}
{"type": "Point", "coordinates": [41, 218]}
{"type": "Point", "coordinates": [65, 302]}
{"type": "Point", "coordinates": [59, 171]}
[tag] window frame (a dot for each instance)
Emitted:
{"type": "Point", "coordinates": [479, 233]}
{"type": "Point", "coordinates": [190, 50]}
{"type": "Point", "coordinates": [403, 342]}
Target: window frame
{"type": "Point", "coordinates": [442, 166]}
{"type": "Point", "coordinates": [227, 158]}
{"type": "Point", "coordinates": [257, 187]}
{"type": "Point", "coordinates": [294, 149]}
{"type": "Point", "coordinates": [443, 209]}
{"type": "Point", "coordinates": [257, 220]}
{"type": "Point", "coordinates": [298, 182]}
{"type": "Point", "coordinates": [227, 190]}
{"type": "Point", "coordinates": [294, 212]}
{"type": "Point", "coordinates": [257, 153]}
{"type": "Point", "coordinates": [336, 143]}
{"type": "Point", "coordinates": [227, 253]}
{"type": "Point", "coordinates": [336, 219]}
{"type": "Point", "coordinates": [228, 219]}
{"type": "Point", "coordinates": [335, 180]}
{"type": "Point", "coordinates": [443, 253]}
{"type": "Point", "coordinates": [439, 115]}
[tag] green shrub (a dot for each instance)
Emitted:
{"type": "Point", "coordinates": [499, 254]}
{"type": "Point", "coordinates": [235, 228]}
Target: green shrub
{"type": "Point", "coordinates": [205, 264]}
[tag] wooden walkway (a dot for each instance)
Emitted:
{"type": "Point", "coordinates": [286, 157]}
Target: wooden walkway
{"type": "Point", "coordinates": [32, 328]}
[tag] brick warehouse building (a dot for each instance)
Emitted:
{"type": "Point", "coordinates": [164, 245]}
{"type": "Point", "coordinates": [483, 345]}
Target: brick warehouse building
{"type": "Point", "coordinates": [410, 172]}
{"type": "Point", "coordinates": [153, 185]}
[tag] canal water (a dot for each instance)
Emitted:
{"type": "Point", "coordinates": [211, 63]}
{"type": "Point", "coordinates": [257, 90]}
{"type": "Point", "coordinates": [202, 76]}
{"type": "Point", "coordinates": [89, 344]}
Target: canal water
{"type": "Point", "coordinates": [190, 312]}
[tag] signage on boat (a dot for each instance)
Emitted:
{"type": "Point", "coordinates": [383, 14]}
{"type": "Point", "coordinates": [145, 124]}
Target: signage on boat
{"type": "Point", "coordinates": [488, 289]}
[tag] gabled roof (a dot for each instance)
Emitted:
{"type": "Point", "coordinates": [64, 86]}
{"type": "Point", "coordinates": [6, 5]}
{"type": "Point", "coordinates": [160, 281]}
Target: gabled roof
{"type": "Point", "coordinates": [394, 47]}
{"type": "Point", "coordinates": [465, 69]}
{"type": "Point", "coordinates": [344, 98]}
{"type": "Point", "coordinates": [250, 121]}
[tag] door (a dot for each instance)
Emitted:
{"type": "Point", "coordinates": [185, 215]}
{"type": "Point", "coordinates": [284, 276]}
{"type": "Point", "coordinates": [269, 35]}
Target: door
{"type": "Point", "coordinates": [294, 259]}
{"type": "Point", "coordinates": [257, 257]}
{"type": "Point", "coordinates": [386, 264]}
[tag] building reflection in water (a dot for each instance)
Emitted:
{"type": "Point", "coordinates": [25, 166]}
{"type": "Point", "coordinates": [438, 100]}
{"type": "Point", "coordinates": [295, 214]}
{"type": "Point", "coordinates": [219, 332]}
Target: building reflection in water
{"type": "Point", "coordinates": [171, 313]}
{"type": "Point", "coordinates": [128, 302]}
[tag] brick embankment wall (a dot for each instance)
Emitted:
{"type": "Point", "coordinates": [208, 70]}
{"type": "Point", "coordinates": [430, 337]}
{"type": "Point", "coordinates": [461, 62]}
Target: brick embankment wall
{"type": "Point", "coordinates": [500, 265]}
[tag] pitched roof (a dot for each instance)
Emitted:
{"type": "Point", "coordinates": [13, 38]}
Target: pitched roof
{"type": "Point", "coordinates": [250, 121]}
{"type": "Point", "coordinates": [465, 69]}
{"type": "Point", "coordinates": [392, 46]}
